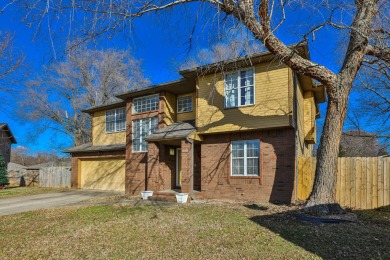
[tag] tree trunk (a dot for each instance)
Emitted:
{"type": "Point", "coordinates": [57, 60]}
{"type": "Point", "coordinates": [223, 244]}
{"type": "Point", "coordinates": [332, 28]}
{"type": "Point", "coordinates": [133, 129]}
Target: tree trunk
{"type": "Point", "coordinates": [322, 199]}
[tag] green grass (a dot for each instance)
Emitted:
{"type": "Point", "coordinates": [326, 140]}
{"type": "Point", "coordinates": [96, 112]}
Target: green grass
{"type": "Point", "coordinates": [207, 231]}
{"type": "Point", "coordinates": [24, 191]}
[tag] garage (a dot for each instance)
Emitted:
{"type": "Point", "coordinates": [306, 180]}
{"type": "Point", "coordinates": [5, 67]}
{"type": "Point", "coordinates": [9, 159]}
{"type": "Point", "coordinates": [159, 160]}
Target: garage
{"type": "Point", "coordinates": [102, 174]}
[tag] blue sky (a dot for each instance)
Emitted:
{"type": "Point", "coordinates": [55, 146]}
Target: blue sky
{"type": "Point", "coordinates": [161, 45]}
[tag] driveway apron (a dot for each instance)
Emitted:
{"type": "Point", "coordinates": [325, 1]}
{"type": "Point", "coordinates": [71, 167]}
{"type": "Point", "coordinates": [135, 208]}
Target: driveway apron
{"type": "Point", "coordinates": [49, 200]}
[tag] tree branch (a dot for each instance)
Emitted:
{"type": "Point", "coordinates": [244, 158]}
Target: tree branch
{"type": "Point", "coordinates": [379, 53]}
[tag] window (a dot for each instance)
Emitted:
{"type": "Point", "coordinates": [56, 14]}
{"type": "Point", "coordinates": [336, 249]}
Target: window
{"type": "Point", "coordinates": [145, 104]}
{"type": "Point", "coordinates": [184, 104]}
{"type": "Point", "coordinates": [245, 158]}
{"type": "Point", "coordinates": [142, 128]}
{"type": "Point", "coordinates": [239, 89]}
{"type": "Point", "coordinates": [115, 120]}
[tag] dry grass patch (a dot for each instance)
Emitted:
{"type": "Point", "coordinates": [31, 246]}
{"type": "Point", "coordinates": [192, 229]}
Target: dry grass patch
{"type": "Point", "coordinates": [24, 191]}
{"type": "Point", "coordinates": [200, 231]}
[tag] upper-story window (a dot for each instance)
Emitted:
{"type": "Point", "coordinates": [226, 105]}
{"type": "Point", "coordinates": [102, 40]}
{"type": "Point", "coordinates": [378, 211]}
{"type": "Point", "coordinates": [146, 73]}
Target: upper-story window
{"type": "Point", "coordinates": [184, 104]}
{"type": "Point", "coordinates": [145, 104]}
{"type": "Point", "coordinates": [141, 129]}
{"type": "Point", "coordinates": [239, 88]}
{"type": "Point", "coordinates": [116, 120]}
{"type": "Point", "coordinates": [245, 158]}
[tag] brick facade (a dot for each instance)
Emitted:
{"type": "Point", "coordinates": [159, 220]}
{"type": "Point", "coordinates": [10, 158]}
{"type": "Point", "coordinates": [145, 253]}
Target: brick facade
{"type": "Point", "coordinates": [212, 168]}
{"type": "Point", "coordinates": [156, 169]}
{"type": "Point", "coordinates": [277, 167]}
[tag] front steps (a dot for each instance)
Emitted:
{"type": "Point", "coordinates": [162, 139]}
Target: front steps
{"type": "Point", "coordinates": [166, 196]}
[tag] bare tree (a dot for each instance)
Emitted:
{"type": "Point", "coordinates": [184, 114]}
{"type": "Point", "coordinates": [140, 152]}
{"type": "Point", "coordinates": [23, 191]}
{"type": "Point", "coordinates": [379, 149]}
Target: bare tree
{"type": "Point", "coordinates": [10, 61]}
{"type": "Point", "coordinates": [222, 51]}
{"type": "Point", "coordinates": [360, 144]}
{"type": "Point", "coordinates": [85, 79]}
{"type": "Point", "coordinates": [363, 24]}
{"type": "Point", "coordinates": [23, 156]}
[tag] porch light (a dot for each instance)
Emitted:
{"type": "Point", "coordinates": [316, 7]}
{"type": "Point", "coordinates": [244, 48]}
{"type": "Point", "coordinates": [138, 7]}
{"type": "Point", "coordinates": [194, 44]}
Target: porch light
{"type": "Point", "coordinates": [171, 151]}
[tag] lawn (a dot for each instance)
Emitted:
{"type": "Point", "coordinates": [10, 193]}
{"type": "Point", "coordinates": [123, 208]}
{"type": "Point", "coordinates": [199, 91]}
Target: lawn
{"type": "Point", "coordinates": [196, 231]}
{"type": "Point", "coordinates": [24, 191]}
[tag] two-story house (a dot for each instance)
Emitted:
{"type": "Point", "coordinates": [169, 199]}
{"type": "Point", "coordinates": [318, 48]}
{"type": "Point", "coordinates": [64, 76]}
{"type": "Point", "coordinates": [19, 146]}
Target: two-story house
{"type": "Point", "coordinates": [6, 140]}
{"type": "Point", "coordinates": [233, 129]}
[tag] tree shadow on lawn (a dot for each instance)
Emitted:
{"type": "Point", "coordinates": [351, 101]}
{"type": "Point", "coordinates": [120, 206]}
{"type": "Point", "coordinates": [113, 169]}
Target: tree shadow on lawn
{"type": "Point", "coordinates": [367, 237]}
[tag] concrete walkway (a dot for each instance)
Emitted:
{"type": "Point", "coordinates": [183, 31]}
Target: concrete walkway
{"type": "Point", "coordinates": [48, 200]}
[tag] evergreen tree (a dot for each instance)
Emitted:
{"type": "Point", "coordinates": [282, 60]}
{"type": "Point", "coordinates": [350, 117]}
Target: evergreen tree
{"type": "Point", "coordinates": [3, 172]}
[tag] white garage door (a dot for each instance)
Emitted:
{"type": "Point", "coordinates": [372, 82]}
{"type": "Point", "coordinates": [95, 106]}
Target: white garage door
{"type": "Point", "coordinates": [102, 174]}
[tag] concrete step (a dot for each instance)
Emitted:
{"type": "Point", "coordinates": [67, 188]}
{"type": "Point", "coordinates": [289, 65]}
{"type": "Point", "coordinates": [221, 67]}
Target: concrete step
{"type": "Point", "coordinates": [168, 196]}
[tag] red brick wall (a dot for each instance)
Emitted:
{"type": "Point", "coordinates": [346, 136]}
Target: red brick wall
{"type": "Point", "coordinates": [161, 167]}
{"type": "Point", "coordinates": [277, 167]}
{"type": "Point", "coordinates": [185, 166]}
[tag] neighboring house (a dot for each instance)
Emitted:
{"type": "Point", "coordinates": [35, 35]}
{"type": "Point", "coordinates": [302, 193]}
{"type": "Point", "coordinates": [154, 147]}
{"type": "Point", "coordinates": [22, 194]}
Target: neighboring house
{"type": "Point", "coordinates": [6, 140]}
{"type": "Point", "coordinates": [231, 130]}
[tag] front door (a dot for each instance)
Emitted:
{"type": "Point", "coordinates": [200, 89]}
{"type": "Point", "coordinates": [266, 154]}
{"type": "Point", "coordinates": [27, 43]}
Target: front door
{"type": "Point", "coordinates": [178, 167]}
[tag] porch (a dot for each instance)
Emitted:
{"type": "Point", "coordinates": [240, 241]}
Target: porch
{"type": "Point", "coordinates": [173, 162]}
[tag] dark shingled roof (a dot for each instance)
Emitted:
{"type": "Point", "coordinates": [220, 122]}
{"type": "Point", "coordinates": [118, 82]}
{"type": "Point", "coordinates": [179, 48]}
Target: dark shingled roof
{"type": "Point", "coordinates": [113, 104]}
{"type": "Point", "coordinates": [176, 130]}
{"type": "Point", "coordinates": [5, 127]}
{"type": "Point", "coordinates": [88, 147]}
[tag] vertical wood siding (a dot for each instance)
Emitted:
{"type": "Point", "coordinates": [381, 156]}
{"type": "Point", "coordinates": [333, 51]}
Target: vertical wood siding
{"type": "Point", "coordinates": [362, 182]}
{"type": "Point", "coordinates": [55, 177]}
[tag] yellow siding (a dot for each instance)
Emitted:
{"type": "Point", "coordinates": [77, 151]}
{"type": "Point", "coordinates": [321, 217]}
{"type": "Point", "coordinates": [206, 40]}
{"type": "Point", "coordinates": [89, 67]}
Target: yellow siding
{"type": "Point", "coordinates": [271, 107]}
{"type": "Point", "coordinates": [302, 146]}
{"type": "Point", "coordinates": [309, 116]}
{"type": "Point", "coordinates": [169, 108]}
{"type": "Point", "coordinates": [188, 115]}
{"type": "Point", "coordinates": [99, 135]}
{"type": "Point", "coordinates": [305, 117]}
{"type": "Point", "coordinates": [102, 174]}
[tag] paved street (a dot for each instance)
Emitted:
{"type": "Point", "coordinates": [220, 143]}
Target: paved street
{"type": "Point", "coordinates": [49, 200]}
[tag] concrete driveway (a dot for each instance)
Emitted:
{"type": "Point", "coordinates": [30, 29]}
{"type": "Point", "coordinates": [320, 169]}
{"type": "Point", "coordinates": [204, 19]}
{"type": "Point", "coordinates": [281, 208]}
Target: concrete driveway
{"type": "Point", "coordinates": [49, 200]}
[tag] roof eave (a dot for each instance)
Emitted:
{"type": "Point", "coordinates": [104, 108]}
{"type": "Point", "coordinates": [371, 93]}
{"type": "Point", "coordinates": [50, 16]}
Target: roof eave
{"type": "Point", "coordinates": [104, 107]}
{"type": "Point", "coordinates": [226, 64]}
{"type": "Point", "coordinates": [9, 133]}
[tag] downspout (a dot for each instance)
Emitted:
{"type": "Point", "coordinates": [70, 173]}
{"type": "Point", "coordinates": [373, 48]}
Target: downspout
{"type": "Point", "coordinates": [192, 166]}
{"type": "Point", "coordinates": [295, 118]}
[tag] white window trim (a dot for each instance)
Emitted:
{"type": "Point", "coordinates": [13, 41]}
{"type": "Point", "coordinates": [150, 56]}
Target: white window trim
{"type": "Point", "coordinates": [245, 159]}
{"type": "Point", "coordinates": [141, 138]}
{"type": "Point", "coordinates": [192, 104]}
{"type": "Point", "coordinates": [133, 107]}
{"type": "Point", "coordinates": [239, 92]}
{"type": "Point", "coordinates": [115, 121]}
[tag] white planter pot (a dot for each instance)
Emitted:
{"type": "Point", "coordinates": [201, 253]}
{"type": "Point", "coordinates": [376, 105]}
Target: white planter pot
{"type": "Point", "coordinates": [182, 197]}
{"type": "Point", "coordinates": [146, 194]}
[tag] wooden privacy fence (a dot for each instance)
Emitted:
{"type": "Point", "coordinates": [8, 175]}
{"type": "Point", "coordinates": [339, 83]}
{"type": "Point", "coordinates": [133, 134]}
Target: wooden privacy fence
{"type": "Point", "coordinates": [362, 182]}
{"type": "Point", "coordinates": [55, 177]}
